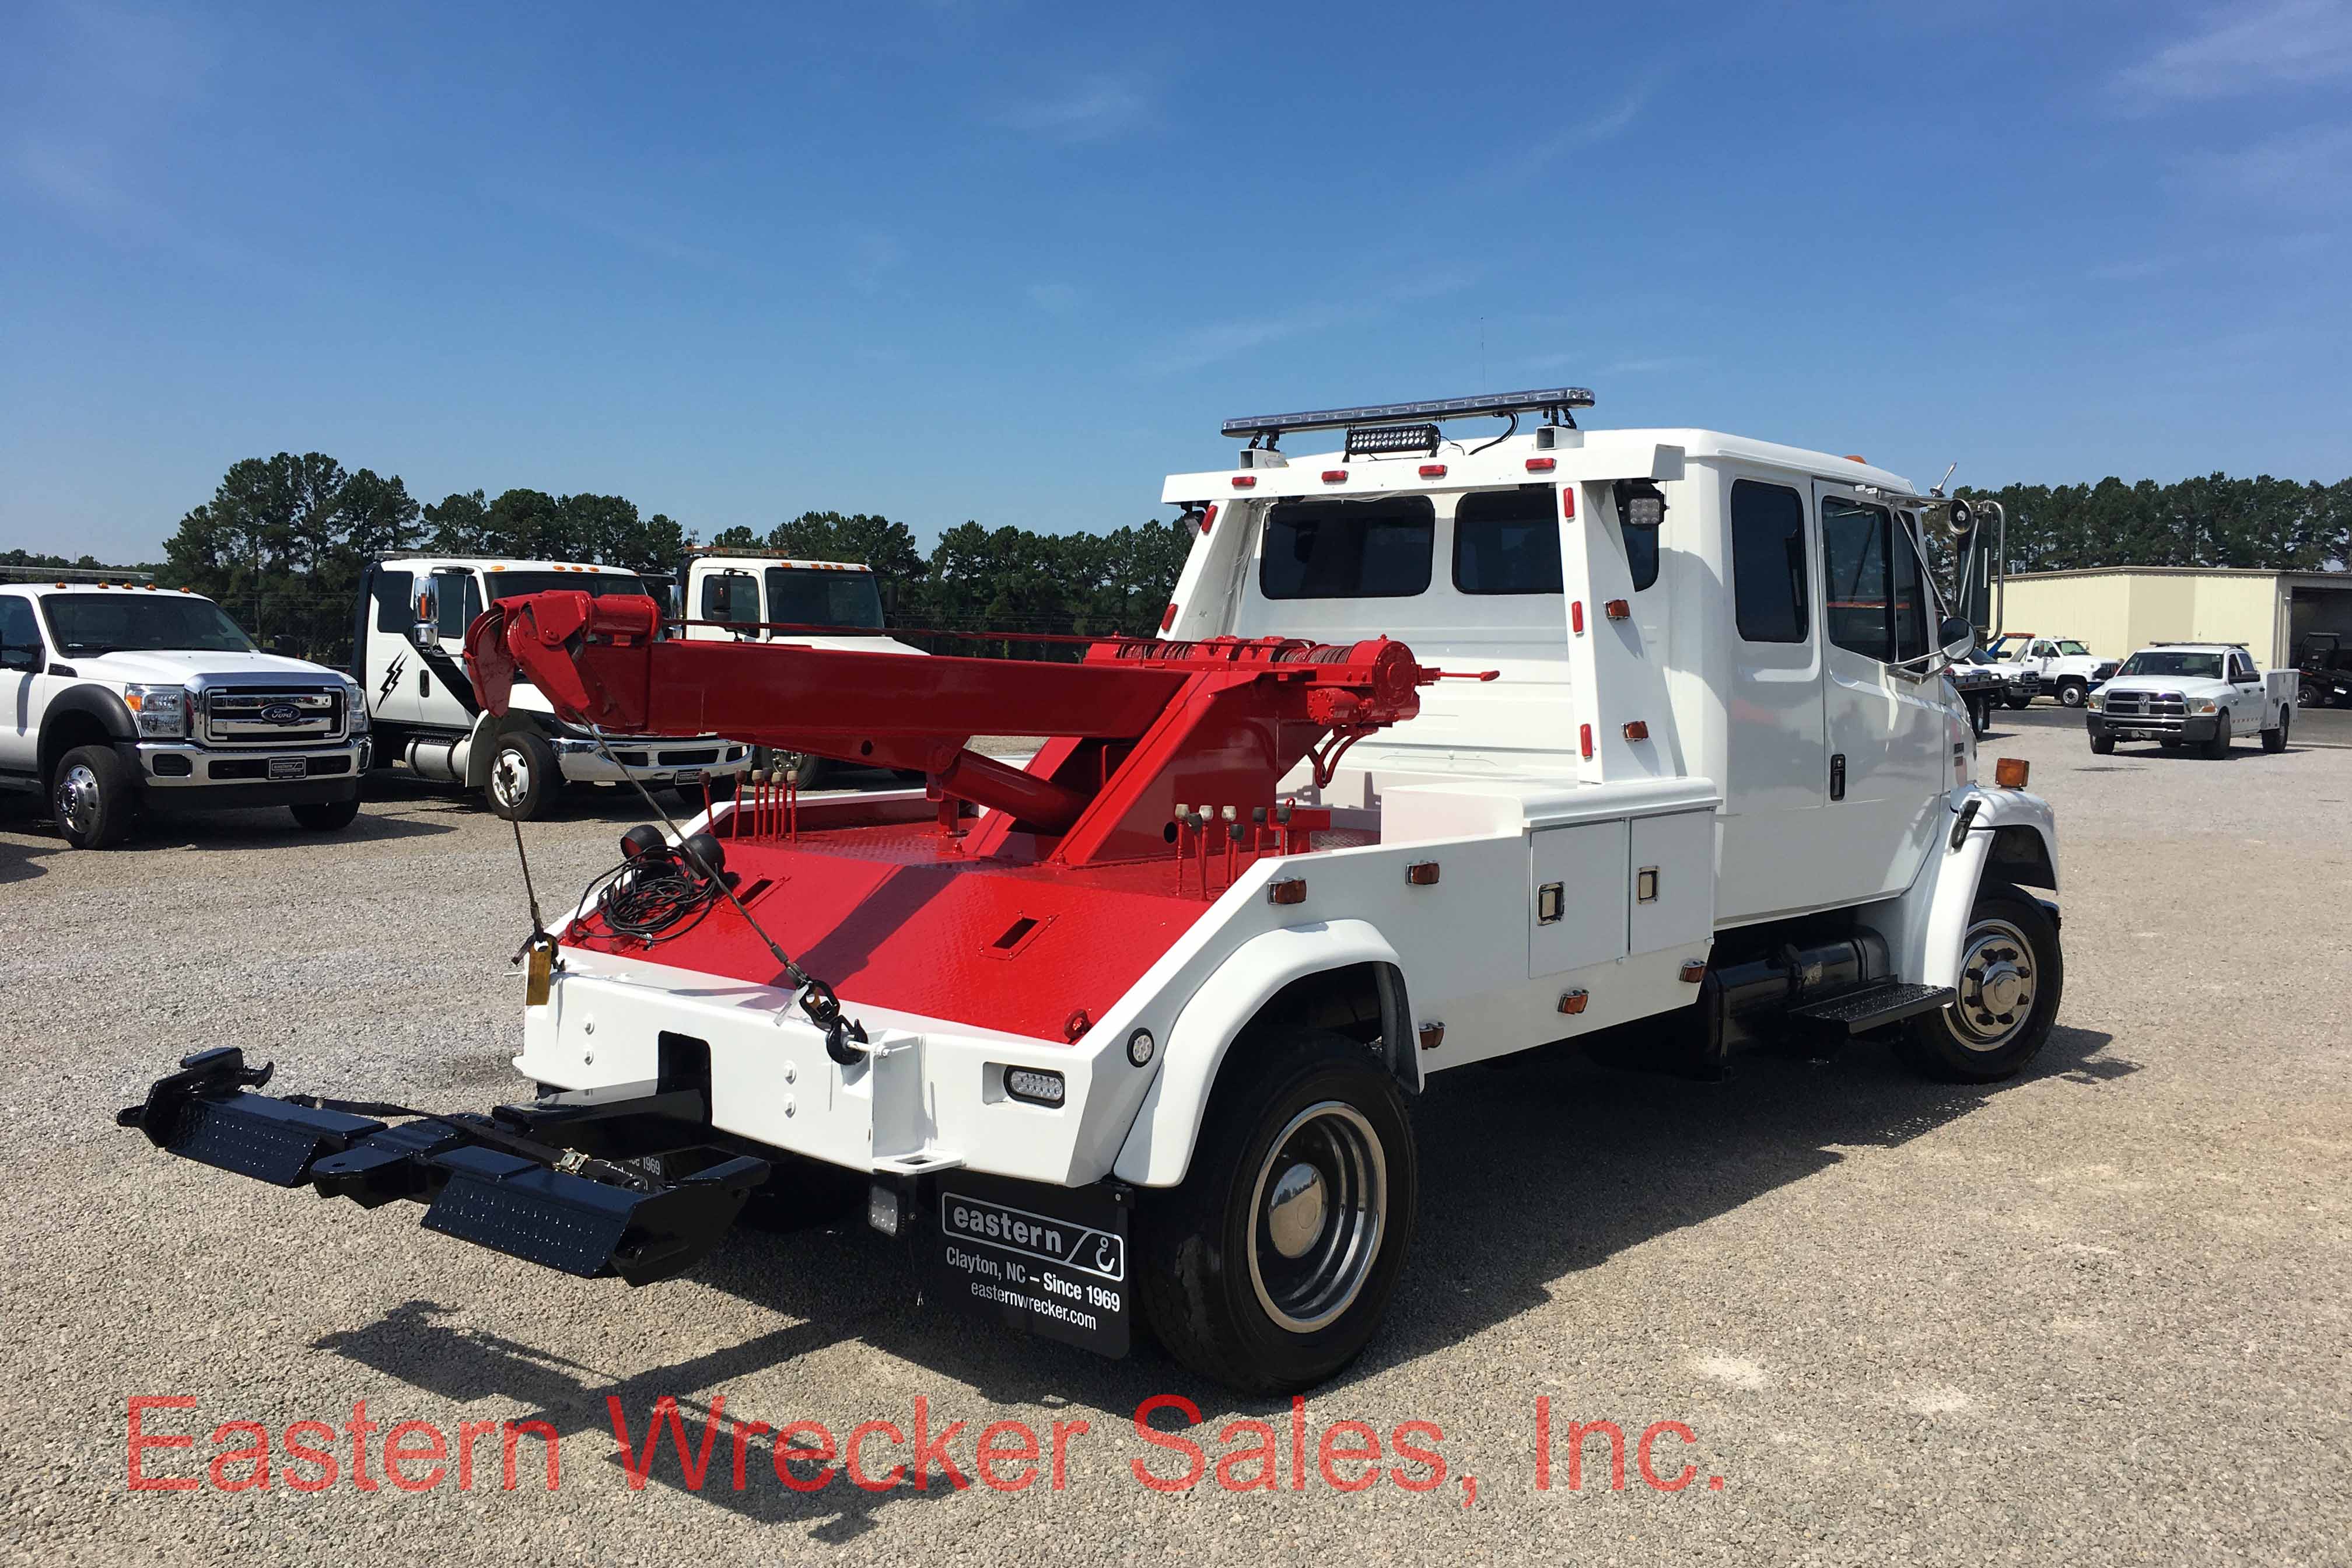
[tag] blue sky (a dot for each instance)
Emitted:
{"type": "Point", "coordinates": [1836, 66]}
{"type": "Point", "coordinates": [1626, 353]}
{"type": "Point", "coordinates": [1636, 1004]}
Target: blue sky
{"type": "Point", "coordinates": [1013, 262]}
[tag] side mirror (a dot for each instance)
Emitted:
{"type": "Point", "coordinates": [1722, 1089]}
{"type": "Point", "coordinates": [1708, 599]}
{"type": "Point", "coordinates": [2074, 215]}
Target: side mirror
{"type": "Point", "coordinates": [425, 635]}
{"type": "Point", "coordinates": [285, 647]}
{"type": "Point", "coordinates": [1957, 636]}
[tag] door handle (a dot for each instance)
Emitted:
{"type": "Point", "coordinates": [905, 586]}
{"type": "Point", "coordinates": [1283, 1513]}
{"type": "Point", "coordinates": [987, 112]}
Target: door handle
{"type": "Point", "coordinates": [1837, 776]}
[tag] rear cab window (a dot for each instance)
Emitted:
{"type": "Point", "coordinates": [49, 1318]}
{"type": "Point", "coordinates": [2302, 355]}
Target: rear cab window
{"type": "Point", "coordinates": [1768, 563]}
{"type": "Point", "coordinates": [1378, 548]}
{"type": "Point", "coordinates": [1507, 541]}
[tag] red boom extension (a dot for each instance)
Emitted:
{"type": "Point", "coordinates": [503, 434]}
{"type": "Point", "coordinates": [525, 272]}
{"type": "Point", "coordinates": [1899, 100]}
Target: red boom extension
{"type": "Point", "coordinates": [1136, 728]}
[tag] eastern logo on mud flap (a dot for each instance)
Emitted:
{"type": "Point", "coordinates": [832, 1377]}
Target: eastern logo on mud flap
{"type": "Point", "coordinates": [1082, 1247]}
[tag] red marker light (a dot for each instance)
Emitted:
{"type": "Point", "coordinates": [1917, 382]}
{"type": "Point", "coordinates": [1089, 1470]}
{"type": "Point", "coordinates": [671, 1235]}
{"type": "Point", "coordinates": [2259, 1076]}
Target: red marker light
{"type": "Point", "coordinates": [1576, 616]}
{"type": "Point", "coordinates": [1637, 730]}
{"type": "Point", "coordinates": [1245, 481]}
{"type": "Point", "coordinates": [1168, 617]}
{"type": "Point", "coordinates": [1617, 609]}
{"type": "Point", "coordinates": [1433, 470]}
{"type": "Point", "coordinates": [1542, 465]}
{"type": "Point", "coordinates": [1334, 476]}
{"type": "Point", "coordinates": [1209, 517]}
{"type": "Point", "coordinates": [1567, 503]}
{"type": "Point", "coordinates": [1289, 890]}
{"type": "Point", "coordinates": [1585, 739]}
{"type": "Point", "coordinates": [1572, 1001]}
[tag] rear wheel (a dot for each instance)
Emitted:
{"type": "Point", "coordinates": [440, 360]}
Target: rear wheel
{"type": "Point", "coordinates": [93, 796]}
{"type": "Point", "coordinates": [1269, 1267]}
{"type": "Point", "coordinates": [2218, 747]}
{"type": "Point", "coordinates": [522, 776]}
{"type": "Point", "coordinates": [2011, 977]}
{"type": "Point", "coordinates": [2275, 740]}
{"type": "Point", "coordinates": [2017, 701]}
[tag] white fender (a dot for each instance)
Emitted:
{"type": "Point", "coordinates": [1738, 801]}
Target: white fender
{"type": "Point", "coordinates": [1924, 927]}
{"type": "Point", "coordinates": [1159, 1147]}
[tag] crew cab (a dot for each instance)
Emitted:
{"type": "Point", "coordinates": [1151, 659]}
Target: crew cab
{"type": "Point", "coordinates": [2193, 694]}
{"type": "Point", "coordinates": [2062, 667]}
{"type": "Point", "coordinates": [122, 696]}
{"type": "Point", "coordinates": [1450, 748]}
{"type": "Point", "coordinates": [408, 651]}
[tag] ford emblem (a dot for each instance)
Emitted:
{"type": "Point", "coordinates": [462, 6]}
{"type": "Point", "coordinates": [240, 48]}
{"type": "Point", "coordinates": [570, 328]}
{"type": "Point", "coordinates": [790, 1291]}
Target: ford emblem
{"type": "Point", "coordinates": [281, 713]}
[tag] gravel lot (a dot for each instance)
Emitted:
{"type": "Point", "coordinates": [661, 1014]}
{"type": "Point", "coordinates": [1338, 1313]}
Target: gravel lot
{"type": "Point", "coordinates": [2098, 1314]}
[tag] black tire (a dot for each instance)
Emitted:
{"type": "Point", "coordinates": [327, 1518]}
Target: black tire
{"type": "Point", "coordinates": [2311, 696]}
{"type": "Point", "coordinates": [326, 815]}
{"type": "Point", "coordinates": [94, 796]}
{"type": "Point", "coordinates": [1314, 1114]}
{"type": "Point", "coordinates": [2218, 747]}
{"type": "Point", "coordinates": [2015, 702]}
{"type": "Point", "coordinates": [522, 778]}
{"type": "Point", "coordinates": [2275, 740]}
{"type": "Point", "coordinates": [2071, 693]}
{"type": "Point", "coordinates": [2103, 745]}
{"type": "Point", "coordinates": [1981, 715]}
{"type": "Point", "coordinates": [2010, 959]}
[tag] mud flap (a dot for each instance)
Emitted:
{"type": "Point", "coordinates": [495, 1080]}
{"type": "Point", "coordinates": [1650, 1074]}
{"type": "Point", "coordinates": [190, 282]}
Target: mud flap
{"type": "Point", "coordinates": [483, 1182]}
{"type": "Point", "coordinates": [1050, 1260]}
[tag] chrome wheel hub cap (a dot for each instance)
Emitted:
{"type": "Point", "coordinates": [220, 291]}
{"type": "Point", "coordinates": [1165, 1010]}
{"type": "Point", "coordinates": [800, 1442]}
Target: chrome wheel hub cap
{"type": "Point", "coordinates": [511, 777]}
{"type": "Point", "coordinates": [1997, 985]}
{"type": "Point", "coordinates": [1318, 1213]}
{"type": "Point", "coordinates": [77, 799]}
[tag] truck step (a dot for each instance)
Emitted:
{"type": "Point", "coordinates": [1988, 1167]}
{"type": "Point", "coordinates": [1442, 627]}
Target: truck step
{"type": "Point", "coordinates": [1873, 1006]}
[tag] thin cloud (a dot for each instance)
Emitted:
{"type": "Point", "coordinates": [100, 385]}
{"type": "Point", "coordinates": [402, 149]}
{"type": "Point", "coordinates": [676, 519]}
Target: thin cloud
{"type": "Point", "coordinates": [2289, 43]}
{"type": "Point", "coordinates": [2304, 171]}
{"type": "Point", "coordinates": [1607, 125]}
{"type": "Point", "coordinates": [1093, 110]}
{"type": "Point", "coordinates": [1205, 346]}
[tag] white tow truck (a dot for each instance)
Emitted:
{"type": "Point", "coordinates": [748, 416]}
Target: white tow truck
{"type": "Point", "coordinates": [2193, 694]}
{"type": "Point", "coordinates": [1448, 750]}
{"type": "Point", "coordinates": [407, 652]}
{"type": "Point", "coordinates": [121, 695]}
{"type": "Point", "coordinates": [2062, 667]}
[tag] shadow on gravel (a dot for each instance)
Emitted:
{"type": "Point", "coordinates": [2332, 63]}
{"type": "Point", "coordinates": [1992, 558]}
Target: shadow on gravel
{"type": "Point", "coordinates": [1530, 1175]}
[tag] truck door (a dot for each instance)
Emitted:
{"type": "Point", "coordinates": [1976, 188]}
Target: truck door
{"type": "Point", "coordinates": [386, 665]}
{"type": "Point", "coordinates": [1776, 856]}
{"type": "Point", "coordinates": [2252, 710]}
{"type": "Point", "coordinates": [2039, 658]}
{"type": "Point", "coordinates": [444, 696]}
{"type": "Point", "coordinates": [1885, 715]}
{"type": "Point", "coordinates": [21, 683]}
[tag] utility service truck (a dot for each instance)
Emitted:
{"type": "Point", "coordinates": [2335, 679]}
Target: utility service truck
{"type": "Point", "coordinates": [407, 644]}
{"type": "Point", "coordinates": [2193, 694]}
{"type": "Point", "coordinates": [122, 696]}
{"type": "Point", "coordinates": [1445, 752]}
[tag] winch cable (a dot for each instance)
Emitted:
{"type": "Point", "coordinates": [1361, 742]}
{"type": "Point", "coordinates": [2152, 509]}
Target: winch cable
{"type": "Point", "coordinates": [843, 1037]}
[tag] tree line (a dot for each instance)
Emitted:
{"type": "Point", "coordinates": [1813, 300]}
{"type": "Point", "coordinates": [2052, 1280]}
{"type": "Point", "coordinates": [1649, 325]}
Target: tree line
{"type": "Point", "coordinates": [284, 539]}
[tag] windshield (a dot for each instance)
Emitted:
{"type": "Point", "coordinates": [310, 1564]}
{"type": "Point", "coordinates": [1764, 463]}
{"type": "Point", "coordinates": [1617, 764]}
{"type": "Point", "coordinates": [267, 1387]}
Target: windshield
{"type": "Point", "coordinates": [2074, 649]}
{"type": "Point", "coordinates": [92, 624]}
{"type": "Point", "coordinates": [810, 596]}
{"type": "Point", "coordinates": [602, 585]}
{"type": "Point", "coordinates": [2165, 661]}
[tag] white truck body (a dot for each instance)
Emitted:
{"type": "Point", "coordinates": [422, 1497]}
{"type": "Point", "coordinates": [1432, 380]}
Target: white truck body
{"type": "Point", "coordinates": [2202, 694]}
{"type": "Point", "coordinates": [2062, 667]}
{"type": "Point", "coordinates": [408, 653]}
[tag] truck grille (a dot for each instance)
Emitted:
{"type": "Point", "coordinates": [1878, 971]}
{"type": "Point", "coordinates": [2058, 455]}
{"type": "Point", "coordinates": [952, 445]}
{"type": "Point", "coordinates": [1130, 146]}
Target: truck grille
{"type": "Point", "coordinates": [266, 716]}
{"type": "Point", "coordinates": [2148, 705]}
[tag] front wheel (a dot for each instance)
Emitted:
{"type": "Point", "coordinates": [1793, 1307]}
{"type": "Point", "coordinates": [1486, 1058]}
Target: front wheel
{"type": "Point", "coordinates": [2011, 977]}
{"type": "Point", "coordinates": [326, 815]}
{"type": "Point", "coordinates": [2016, 702]}
{"type": "Point", "coordinates": [2070, 694]}
{"type": "Point", "coordinates": [2218, 747]}
{"type": "Point", "coordinates": [2275, 740]}
{"type": "Point", "coordinates": [522, 776]}
{"type": "Point", "coordinates": [1268, 1267]}
{"type": "Point", "coordinates": [2103, 745]}
{"type": "Point", "coordinates": [94, 796]}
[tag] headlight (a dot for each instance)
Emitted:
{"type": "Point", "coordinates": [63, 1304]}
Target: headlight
{"type": "Point", "coordinates": [2095, 702]}
{"type": "Point", "coordinates": [161, 711]}
{"type": "Point", "coordinates": [2203, 705]}
{"type": "Point", "coordinates": [355, 704]}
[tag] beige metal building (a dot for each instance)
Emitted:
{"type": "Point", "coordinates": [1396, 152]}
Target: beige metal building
{"type": "Point", "coordinates": [2121, 609]}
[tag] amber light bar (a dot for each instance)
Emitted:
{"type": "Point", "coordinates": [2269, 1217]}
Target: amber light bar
{"type": "Point", "coordinates": [1535, 400]}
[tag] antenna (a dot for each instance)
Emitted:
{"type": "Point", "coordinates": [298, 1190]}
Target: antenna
{"type": "Point", "coordinates": [1946, 480]}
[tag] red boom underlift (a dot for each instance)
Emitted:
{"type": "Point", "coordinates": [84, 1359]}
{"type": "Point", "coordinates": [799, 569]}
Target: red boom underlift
{"type": "Point", "coordinates": [1157, 786]}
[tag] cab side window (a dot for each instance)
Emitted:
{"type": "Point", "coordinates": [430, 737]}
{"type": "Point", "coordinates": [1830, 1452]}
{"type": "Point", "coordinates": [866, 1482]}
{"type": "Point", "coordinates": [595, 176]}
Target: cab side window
{"type": "Point", "coordinates": [396, 601]}
{"type": "Point", "coordinates": [20, 633]}
{"type": "Point", "coordinates": [731, 596]}
{"type": "Point", "coordinates": [456, 600]}
{"type": "Point", "coordinates": [2242, 669]}
{"type": "Point", "coordinates": [1877, 604]}
{"type": "Point", "coordinates": [1768, 563]}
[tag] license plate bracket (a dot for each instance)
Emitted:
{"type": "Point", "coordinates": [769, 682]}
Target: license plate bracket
{"type": "Point", "coordinates": [288, 768]}
{"type": "Point", "coordinates": [1053, 1261]}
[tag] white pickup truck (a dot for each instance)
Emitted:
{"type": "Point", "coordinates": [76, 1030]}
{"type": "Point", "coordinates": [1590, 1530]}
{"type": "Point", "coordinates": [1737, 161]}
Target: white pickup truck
{"type": "Point", "coordinates": [2193, 694]}
{"type": "Point", "coordinates": [121, 695]}
{"type": "Point", "coordinates": [2062, 667]}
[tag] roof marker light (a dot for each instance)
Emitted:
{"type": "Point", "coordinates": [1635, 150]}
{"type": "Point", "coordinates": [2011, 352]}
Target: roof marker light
{"type": "Point", "coordinates": [1335, 476]}
{"type": "Point", "coordinates": [1542, 465]}
{"type": "Point", "coordinates": [1433, 470]}
{"type": "Point", "coordinates": [1245, 481]}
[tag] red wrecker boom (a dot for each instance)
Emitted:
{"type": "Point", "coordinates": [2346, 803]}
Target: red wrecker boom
{"type": "Point", "coordinates": [1136, 728]}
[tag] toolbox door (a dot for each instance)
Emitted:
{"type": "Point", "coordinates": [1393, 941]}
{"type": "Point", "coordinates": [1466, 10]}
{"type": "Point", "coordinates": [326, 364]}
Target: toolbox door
{"type": "Point", "coordinates": [1576, 909]}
